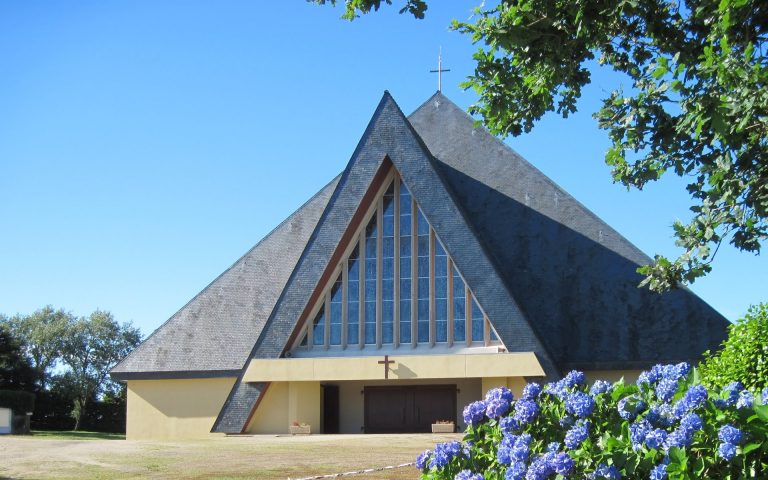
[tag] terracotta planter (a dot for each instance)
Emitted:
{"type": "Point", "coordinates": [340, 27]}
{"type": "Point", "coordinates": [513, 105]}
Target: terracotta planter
{"type": "Point", "coordinates": [443, 427]}
{"type": "Point", "coordinates": [299, 429]}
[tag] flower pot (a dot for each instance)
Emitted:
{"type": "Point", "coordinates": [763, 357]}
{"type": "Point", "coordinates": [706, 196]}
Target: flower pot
{"type": "Point", "coordinates": [299, 429]}
{"type": "Point", "coordinates": [443, 427]}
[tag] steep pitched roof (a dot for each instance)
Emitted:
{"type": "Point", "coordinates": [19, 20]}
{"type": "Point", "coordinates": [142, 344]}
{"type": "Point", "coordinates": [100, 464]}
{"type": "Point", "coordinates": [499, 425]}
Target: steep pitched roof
{"type": "Point", "coordinates": [573, 276]}
{"type": "Point", "coordinates": [213, 334]}
{"type": "Point", "coordinates": [388, 138]}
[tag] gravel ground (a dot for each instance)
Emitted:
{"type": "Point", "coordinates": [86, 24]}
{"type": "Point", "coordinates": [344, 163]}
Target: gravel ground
{"type": "Point", "coordinates": [261, 457]}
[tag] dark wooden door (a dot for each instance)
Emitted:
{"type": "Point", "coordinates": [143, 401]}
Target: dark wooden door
{"type": "Point", "coordinates": [330, 409]}
{"type": "Point", "coordinates": [410, 409]}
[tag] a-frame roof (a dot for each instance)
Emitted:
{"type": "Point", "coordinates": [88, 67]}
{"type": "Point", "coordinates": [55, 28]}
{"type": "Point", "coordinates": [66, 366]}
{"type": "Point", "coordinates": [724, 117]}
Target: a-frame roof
{"type": "Point", "coordinates": [388, 138]}
{"type": "Point", "coordinates": [213, 334]}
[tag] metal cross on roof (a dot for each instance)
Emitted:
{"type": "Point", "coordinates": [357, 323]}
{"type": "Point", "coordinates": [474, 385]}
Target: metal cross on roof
{"type": "Point", "coordinates": [386, 363]}
{"type": "Point", "coordinates": [440, 70]}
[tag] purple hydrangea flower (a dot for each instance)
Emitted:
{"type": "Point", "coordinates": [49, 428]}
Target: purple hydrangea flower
{"type": "Point", "coordinates": [531, 391]}
{"type": "Point", "coordinates": [656, 438]}
{"type": "Point", "coordinates": [659, 472]}
{"type": "Point", "coordinates": [727, 451]}
{"type": "Point", "coordinates": [637, 433]}
{"type": "Point", "coordinates": [746, 399]}
{"type": "Point", "coordinates": [468, 475]}
{"type": "Point", "coordinates": [629, 407]}
{"type": "Point", "coordinates": [579, 404]}
{"type": "Point", "coordinates": [562, 463]}
{"type": "Point", "coordinates": [600, 386]}
{"type": "Point", "coordinates": [576, 435]}
{"type": "Point", "coordinates": [508, 425]}
{"type": "Point", "coordinates": [422, 458]}
{"type": "Point", "coordinates": [666, 389]}
{"type": "Point", "coordinates": [474, 413]}
{"type": "Point", "coordinates": [730, 434]}
{"type": "Point", "coordinates": [693, 399]}
{"type": "Point", "coordinates": [496, 408]}
{"type": "Point", "coordinates": [526, 411]}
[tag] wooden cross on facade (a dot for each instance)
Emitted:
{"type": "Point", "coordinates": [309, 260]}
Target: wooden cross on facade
{"type": "Point", "coordinates": [386, 363]}
{"type": "Point", "coordinates": [440, 70]}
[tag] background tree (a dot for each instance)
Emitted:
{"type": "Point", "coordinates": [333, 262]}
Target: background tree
{"type": "Point", "coordinates": [744, 354]}
{"type": "Point", "coordinates": [42, 335]}
{"type": "Point", "coordinates": [92, 346]}
{"type": "Point", "coordinates": [697, 106]}
{"type": "Point", "coordinates": [16, 372]}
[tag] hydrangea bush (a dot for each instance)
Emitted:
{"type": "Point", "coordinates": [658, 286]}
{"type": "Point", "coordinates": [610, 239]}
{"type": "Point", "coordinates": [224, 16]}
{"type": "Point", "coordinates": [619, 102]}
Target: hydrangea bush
{"type": "Point", "coordinates": [665, 426]}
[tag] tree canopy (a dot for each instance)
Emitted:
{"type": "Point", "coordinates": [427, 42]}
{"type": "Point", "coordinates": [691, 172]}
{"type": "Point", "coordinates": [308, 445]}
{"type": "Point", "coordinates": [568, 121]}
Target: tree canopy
{"type": "Point", "coordinates": [697, 106]}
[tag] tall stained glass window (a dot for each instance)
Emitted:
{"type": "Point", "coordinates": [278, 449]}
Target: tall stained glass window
{"type": "Point", "coordinates": [388, 266]}
{"type": "Point", "coordinates": [478, 322]}
{"type": "Point", "coordinates": [353, 298]}
{"type": "Point", "coordinates": [423, 278]}
{"type": "Point", "coordinates": [335, 313]}
{"type": "Point", "coordinates": [318, 328]}
{"type": "Point", "coordinates": [441, 293]}
{"type": "Point", "coordinates": [459, 308]}
{"type": "Point", "coordinates": [405, 264]}
{"type": "Point", "coordinates": [371, 232]}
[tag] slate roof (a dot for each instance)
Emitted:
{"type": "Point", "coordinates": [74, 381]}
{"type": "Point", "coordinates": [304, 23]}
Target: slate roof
{"type": "Point", "coordinates": [573, 276]}
{"type": "Point", "coordinates": [213, 334]}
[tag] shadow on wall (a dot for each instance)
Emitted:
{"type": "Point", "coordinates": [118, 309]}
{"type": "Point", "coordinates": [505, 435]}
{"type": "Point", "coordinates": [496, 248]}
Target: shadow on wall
{"type": "Point", "coordinates": [578, 293]}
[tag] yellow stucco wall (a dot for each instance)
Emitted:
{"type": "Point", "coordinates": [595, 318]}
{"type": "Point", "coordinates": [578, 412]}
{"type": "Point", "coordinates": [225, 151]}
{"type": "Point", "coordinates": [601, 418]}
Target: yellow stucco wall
{"type": "Point", "coordinates": [285, 403]}
{"type": "Point", "coordinates": [174, 409]}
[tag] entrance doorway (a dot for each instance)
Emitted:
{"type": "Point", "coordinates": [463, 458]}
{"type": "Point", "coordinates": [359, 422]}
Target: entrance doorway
{"type": "Point", "coordinates": [408, 409]}
{"type": "Point", "coordinates": [330, 404]}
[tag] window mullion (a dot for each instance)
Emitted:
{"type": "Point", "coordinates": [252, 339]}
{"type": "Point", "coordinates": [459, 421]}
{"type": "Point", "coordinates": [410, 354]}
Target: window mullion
{"type": "Point", "coordinates": [486, 331]}
{"type": "Point", "coordinates": [396, 268]}
{"type": "Point", "coordinates": [468, 315]}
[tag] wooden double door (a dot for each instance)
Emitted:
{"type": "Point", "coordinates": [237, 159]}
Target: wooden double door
{"type": "Point", "coordinates": [408, 409]}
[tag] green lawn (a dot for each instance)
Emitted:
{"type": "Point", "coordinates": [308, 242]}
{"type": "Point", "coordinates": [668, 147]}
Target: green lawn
{"type": "Point", "coordinates": [79, 435]}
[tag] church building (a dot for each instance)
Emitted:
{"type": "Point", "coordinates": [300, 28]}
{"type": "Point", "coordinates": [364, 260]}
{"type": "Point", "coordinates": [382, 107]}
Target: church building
{"type": "Point", "coordinates": [437, 265]}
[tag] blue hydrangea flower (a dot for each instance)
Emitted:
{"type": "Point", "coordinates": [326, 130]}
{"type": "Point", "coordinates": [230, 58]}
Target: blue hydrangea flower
{"type": "Point", "coordinates": [600, 386]}
{"type": "Point", "coordinates": [637, 433]}
{"type": "Point", "coordinates": [574, 379]}
{"type": "Point", "coordinates": [659, 472]}
{"type": "Point", "coordinates": [504, 453]}
{"type": "Point", "coordinates": [683, 435]}
{"type": "Point", "coordinates": [666, 389]}
{"type": "Point", "coordinates": [562, 463]}
{"type": "Point", "coordinates": [422, 458]}
{"type": "Point", "coordinates": [764, 394]}
{"type": "Point", "coordinates": [474, 413]}
{"type": "Point", "coordinates": [516, 471]}
{"type": "Point", "coordinates": [508, 425]}
{"type": "Point", "coordinates": [567, 421]}
{"type": "Point", "coordinates": [656, 438]}
{"type": "Point", "coordinates": [693, 399]}
{"type": "Point", "coordinates": [541, 467]}
{"type": "Point", "coordinates": [727, 451]}
{"type": "Point", "coordinates": [730, 434]}
{"type": "Point", "coordinates": [468, 475]}
{"type": "Point", "coordinates": [531, 391]}
{"type": "Point", "coordinates": [731, 394]}
{"type": "Point", "coordinates": [499, 393]}
{"type": "Point", "coordinates": [605, 471]}
{"type": "Point", "coordinates": [746, 399]}
{"type": "Point", "coordinates": [629, 407]}
{"type": "Point", "coordinates": [443, 453]}
{"type": "Point", "coordinates": [553, 447]}
{"type": "Point", "coordinates": [691, 423]}
{"type": "Point", "coordinates": [526, 411]}
{"type": "Point", "coordinates": [496, 407]}
{"type": "Point", "coordinates": [579, 404]}
{"type": "Point", "coordinates": [661, 415]}
{"type": "Point", "coordinates": [576, 435]}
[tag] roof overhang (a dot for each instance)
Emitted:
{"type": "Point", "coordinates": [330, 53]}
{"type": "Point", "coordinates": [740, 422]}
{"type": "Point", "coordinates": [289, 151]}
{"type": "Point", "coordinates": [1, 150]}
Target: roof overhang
{"type": "Point", "coordinates": [403, 367]}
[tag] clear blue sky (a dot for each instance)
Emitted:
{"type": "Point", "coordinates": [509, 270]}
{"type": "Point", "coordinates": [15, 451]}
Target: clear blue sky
{"type": "Point", "coordinates": [145, 146]}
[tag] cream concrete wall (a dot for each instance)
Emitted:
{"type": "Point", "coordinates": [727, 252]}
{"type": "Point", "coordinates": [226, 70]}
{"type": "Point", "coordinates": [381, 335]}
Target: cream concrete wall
{"type": "Point", "coordinates": [405, 367]}
{"type": "Point", "coordinates": [515, 384]}
{"type": "Point", "coordinates": [351, 405]}
{"type": "Point", "coordinates": [285, 403]}
{"type": "Point", "coordinates": [174, 409]}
